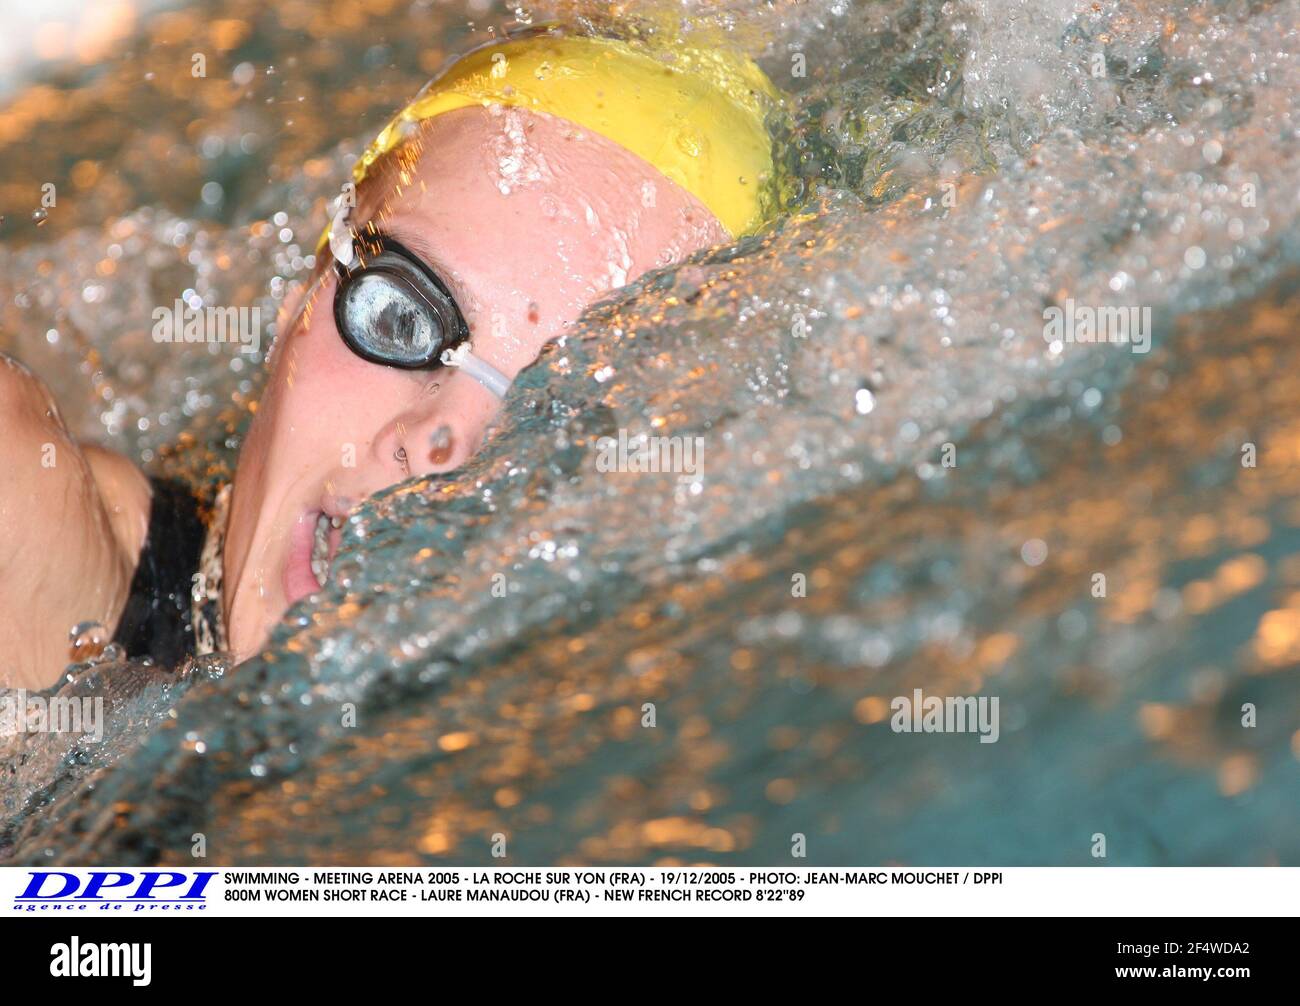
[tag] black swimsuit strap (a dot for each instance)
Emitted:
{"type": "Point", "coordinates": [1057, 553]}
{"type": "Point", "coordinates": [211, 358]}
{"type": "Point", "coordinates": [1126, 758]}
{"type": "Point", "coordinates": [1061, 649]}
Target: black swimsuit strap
{"type": "Point", "coordinates": [156, 621]}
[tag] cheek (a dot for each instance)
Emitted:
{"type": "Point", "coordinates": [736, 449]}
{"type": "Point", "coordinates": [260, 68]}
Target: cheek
{"type": "Point", "coordinates": [321, 400]}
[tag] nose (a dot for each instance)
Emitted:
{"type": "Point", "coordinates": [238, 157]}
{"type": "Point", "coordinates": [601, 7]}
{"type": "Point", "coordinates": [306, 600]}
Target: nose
{"type": "Point", "coordinates": [438, 433]}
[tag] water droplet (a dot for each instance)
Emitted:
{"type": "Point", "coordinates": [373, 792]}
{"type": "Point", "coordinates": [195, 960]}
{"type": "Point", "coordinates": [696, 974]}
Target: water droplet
{"type": "Point", "coordinates": [84, 631]}
{"type": "Point", "coordinates": [689, 142]}
{"type": "Point", "coordinates": [111, 654]}
{"type": "Point", "coordinates": [88, 639]}
{"type": "Point", "coordinates": [1034, 552]}
{"type": "Point", "coordinates": [40, 216]}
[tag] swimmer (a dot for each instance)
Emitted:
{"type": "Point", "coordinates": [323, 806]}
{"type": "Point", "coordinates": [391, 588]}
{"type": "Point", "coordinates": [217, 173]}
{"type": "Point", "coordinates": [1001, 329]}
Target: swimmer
{"type": "Point", "coordinates": [533, 176]}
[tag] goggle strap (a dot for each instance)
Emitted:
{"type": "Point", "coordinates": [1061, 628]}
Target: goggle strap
{"type": "Point", "coordinates": [479, 369]}
{"type": "Point", "coordinates": [341, 237]}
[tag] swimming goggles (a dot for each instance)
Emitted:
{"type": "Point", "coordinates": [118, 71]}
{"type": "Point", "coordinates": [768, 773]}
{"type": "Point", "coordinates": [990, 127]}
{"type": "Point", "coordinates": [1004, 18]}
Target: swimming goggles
{"type": "Point", "coordinates": [392, 309]}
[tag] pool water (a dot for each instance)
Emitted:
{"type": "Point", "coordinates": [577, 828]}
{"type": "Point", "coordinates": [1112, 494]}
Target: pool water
{"type": "Point", "coordinates": [907, 480]}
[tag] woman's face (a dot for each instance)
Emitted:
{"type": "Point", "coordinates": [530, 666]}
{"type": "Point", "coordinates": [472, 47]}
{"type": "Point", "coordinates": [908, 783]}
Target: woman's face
{"type": "Point", "coordinates": [526, 219]}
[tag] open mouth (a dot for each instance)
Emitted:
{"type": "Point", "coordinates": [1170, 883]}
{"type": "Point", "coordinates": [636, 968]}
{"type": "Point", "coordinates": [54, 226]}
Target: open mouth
{"type": "Point", "coordinates": [313, 543]}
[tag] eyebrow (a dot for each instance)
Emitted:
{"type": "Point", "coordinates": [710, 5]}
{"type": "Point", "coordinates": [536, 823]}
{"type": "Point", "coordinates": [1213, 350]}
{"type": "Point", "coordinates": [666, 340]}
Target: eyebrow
{"type": "Point", "coordinates": [414, 241]}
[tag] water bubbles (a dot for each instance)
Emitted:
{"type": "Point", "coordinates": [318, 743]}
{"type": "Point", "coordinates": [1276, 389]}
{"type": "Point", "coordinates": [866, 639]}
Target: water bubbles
{"type": "Point", "coordinates": [689, 141]}
{"type": "Point", "coordinates": [39, 216]}
{"type": "Point", "coordinates": [1194, 257]}
{"type": "Point", "coordinates": [377, 56]}
{"type": "Point", "coordinates": [88, 639]}
{"type": "Point", "coordinates": [864, 401]}
{"type": "Point", "coordinates": [1072, 624]}
{"type": "Point", "coordinates": [1034, 552]}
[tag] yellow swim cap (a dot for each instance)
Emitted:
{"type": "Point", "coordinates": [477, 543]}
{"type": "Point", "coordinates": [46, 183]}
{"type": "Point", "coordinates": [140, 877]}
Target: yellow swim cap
{"type": "Point", "coordinates": [700, 119]}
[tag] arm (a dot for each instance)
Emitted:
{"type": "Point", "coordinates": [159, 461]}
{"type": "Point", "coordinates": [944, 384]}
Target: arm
{"type": "Point", "coordinates": [72, 522]}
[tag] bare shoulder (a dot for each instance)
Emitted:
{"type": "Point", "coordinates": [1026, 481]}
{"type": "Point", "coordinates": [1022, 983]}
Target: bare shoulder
{"type": "Point", "coordinates": [72, 521]}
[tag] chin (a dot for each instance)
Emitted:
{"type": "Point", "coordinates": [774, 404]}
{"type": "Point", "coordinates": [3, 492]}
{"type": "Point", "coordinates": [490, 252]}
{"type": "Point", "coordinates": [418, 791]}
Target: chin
{"type": "Point", "coordinates": [285, 561]}
{"type": "Point", "coordinates": [252, 613]}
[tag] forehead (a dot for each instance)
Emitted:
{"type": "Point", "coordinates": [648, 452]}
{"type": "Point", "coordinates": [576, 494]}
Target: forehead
{"type": "Point", "coordinates": [495, 196]}
{"type": "Point", "coordinates": [520, 211]}
{"type": "Point", "coordinates": [474, 187]}
{"type": "Point", "coordinates": [481, 172]}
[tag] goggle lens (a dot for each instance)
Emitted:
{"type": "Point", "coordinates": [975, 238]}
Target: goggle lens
{"type": "Point", "coordinates": [393, 310]}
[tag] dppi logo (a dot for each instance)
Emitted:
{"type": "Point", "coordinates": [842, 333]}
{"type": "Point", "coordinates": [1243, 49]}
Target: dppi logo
{"type": "Point", "coordinates": [111, 890]}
